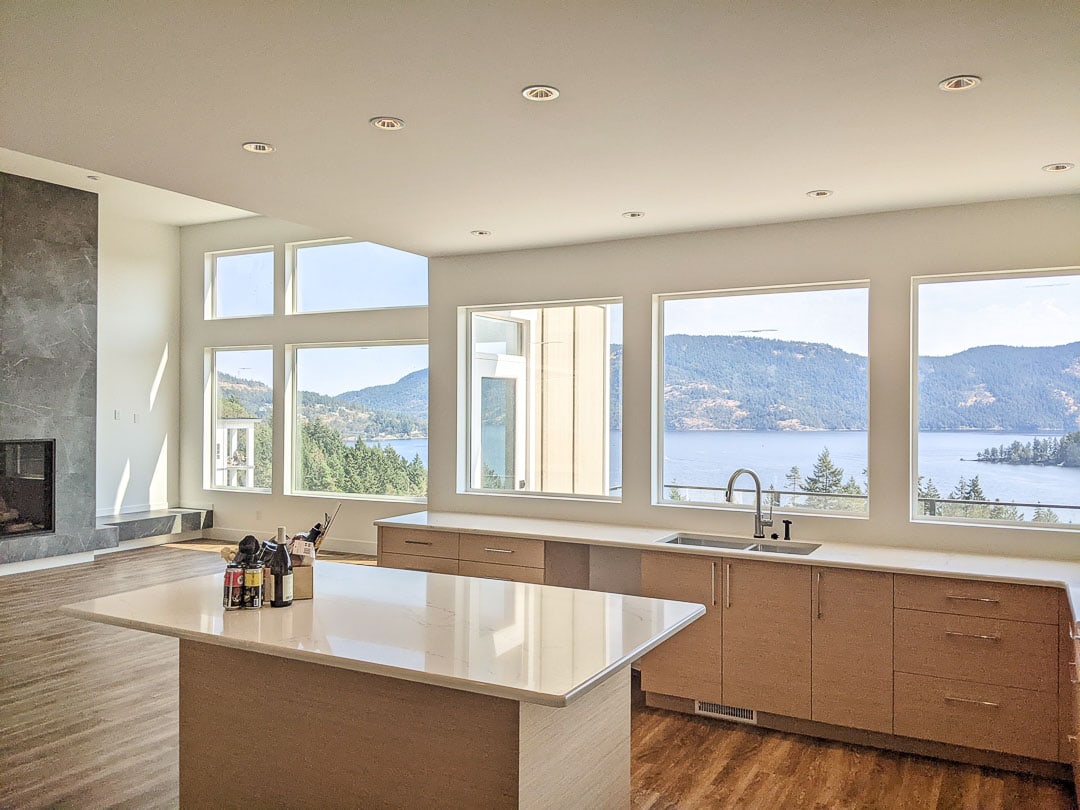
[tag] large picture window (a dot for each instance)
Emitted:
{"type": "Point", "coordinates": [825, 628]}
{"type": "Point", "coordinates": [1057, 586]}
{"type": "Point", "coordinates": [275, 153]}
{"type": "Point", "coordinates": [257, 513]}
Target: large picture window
{"type": "Point", "coordinates": [361, 415]}
{"type": "Point", "coordinates": [998, 399]}
{"type": "Point", "coordinates": [544, 405]}
{"type": "Point", "coordinates": [335, 276]}
{"type": "Point", "coordinates": [242, 424]}
{"type": "Point", "coordinates": [241, 283]}
{"type": "Point", "coordinates": [774, 380]}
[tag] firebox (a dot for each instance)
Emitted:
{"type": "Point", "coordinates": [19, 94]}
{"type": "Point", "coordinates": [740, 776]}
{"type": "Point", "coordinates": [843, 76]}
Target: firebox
{"type": "Point", "coordinates": [27, 487]}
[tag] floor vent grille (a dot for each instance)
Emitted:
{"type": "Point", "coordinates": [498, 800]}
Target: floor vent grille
{"type": "Point", "coordinates": [726, 712]}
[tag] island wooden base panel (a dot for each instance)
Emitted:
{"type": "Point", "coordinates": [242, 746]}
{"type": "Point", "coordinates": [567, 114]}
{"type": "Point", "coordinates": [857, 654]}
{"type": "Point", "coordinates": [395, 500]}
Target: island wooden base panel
{"type": "Point", "coordinates": [89, 715]}
{"type": "Point", "coordinates": [259, 729]}
{"type": "Point", "coordinates": [891, 742]}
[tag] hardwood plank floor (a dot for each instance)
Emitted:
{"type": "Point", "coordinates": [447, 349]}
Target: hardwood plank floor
{"type": "Point", "coordinates": [88, 718]}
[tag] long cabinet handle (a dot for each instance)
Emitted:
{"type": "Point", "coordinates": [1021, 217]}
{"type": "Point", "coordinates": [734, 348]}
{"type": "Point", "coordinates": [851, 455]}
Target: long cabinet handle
{"type": "Point", "coordinates": [817, 592]}
{"type": "Point", "coordinates": [500, 550]}
{"type": "Point", "coordinates": [727, 584]}
{"type": "Point", "coordinates": [712, 582]}
{"type": "Point", "coordinates": [418, 543]}
{"type": "Point", "coordinates": [990, 704]}
{"type": "Point", "coordinates": [962, 598]}
{"type": "Point", "coordinates": [984, 637]}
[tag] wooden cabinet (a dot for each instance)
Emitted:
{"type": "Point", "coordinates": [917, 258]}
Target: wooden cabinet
{"type": "Point", "coordinates": [972, 597]}
{"type": "Point", "coordinates": [511, 573]}
{"type": "Point", "coordinates": [766, 636]}
{"type": "Point", "coordinates": [517, 559]}
{"type": "Point", "coordinates": [852, 642]}
{"type": "Point", "coordinates": [689, 664]}
{"type": "Point", "coordinates": [487, 548]}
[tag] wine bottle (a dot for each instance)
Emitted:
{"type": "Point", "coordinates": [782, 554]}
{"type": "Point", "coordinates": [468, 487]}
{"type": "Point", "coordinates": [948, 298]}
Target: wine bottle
{"type": "Point", "coordinates": [281, 573]}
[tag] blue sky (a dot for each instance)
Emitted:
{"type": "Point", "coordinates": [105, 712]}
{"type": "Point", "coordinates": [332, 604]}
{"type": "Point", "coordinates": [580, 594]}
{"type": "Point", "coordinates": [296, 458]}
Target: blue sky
{"type": "Point", "coordinates": [835, 317]}
{"type": "Point", "coordinates": [336, 369]}
{"type": "Point", "coordinates": [359, 275]}
{"type": "Point", "coordinates": [954, 316]}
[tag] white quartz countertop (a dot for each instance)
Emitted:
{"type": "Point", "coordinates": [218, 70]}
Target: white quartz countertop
{"type": "Point", "coordinates": [1025, 570]}
{"type": "Point", "coordinates": [532, 643]}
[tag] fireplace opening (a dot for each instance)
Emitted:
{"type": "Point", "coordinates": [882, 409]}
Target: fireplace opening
{"type": "Point", "coordinates": [27, 484]}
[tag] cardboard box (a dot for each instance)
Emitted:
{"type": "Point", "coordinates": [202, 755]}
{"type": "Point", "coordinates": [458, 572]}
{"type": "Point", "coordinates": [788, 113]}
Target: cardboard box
{"type": "Point", "coordinates": [303, 584]}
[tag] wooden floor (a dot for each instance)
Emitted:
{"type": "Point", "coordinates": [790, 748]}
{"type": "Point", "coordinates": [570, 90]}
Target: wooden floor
{"type": "Point", "coordinates": [88, 718]}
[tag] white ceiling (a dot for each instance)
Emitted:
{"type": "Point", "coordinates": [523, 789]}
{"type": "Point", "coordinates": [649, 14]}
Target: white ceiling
{"type": "Point", "coordinates": [701, 113]}
{"type": "Point", "coordinates": [120, 196]}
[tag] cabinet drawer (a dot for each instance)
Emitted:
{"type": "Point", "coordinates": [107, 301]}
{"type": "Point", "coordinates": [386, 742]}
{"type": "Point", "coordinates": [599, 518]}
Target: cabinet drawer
{"type": "Point", "coordinates": [491, 548]}
{"type": "Point", "coordinates": [970, 597]}
{"type": "Point", "coordinates": [513, 573]}
{"type": "Point", "coordinates": [415, 541]}
{"type": "Point", "coordinates": [971, 648]}
{"type": "Point", "coordinates": [433, 565]}
{"type": "Point", "coordinates": [992, 718]}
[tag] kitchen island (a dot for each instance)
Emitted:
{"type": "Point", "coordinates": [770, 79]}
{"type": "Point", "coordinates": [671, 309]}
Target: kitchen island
{"type": "Point", "coordinates": [397, 688]}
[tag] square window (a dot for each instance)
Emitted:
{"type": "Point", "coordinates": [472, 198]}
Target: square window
{"type": "Point", "coordinates": [544, 399]}
{"type": "Point", "coordinates": [361, 420]}
{"type": "Point", "coordinates": [241, 283]}
{"type": "Point", "coordinates": [998, 399]}
{"type": "Point", "coordinates": [772, 380]}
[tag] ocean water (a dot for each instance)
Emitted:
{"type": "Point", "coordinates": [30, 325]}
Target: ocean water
{"type": "Point", "coordinates": [707, 458]}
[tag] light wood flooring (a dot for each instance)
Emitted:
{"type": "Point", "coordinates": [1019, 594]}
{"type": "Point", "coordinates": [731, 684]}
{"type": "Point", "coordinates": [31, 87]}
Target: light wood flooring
{"type": "Point", "coordinates": [88, 718]}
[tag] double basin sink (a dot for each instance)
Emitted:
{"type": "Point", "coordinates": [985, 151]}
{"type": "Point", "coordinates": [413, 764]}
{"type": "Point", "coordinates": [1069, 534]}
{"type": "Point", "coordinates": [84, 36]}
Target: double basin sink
{"type": "Point", "coordinates": [704, 541]}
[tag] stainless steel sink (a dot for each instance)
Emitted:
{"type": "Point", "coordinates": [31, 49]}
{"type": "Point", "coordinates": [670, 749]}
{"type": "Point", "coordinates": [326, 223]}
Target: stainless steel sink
{"type": "Point", "coordinates": [785, 548]}
{"type": "Point", "coordinates": [707, 542]}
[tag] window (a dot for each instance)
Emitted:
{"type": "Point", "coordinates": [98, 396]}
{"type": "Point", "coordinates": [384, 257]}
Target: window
{"type": "Point", "coordinates": [998, 399]}
{"type": "Point", "coordinates": [544, 403]}
{"type": "Point", "coordinates": [243, 408]}
{"type": "Point", "coordinates": [361, 420]}
{"type": "Point", "coordinates": [241, 283]}
{"type": "Point", "coordinates": [333, 276]}
{"type": "Point", "coordinates": [774, 380]}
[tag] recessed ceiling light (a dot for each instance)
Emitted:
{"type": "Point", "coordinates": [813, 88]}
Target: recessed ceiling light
{"type": "Point", "coordinates": [1057, 167]}
{"type": "Point", "coordinates": [540, 92]}
{"type": "Point", "coordinates": [258, 147]}
{"type": "Point", "coordinates": [480, 233]}
{"type": "Point", "coordinates": [962, 82]}
{"type": "Point", "coordinates": [633, 214]}
{"type": "Point", "coordinates": [387, 122]}
{"type": "Point", "coordinates": [819, 192]}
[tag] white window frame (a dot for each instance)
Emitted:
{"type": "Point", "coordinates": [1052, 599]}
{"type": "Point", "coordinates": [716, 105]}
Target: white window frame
{"type": "Point", "coordinates": [210, 421]}
{"type": "Point", "coordinates": [210, 293]}
{"type": "Point", "coordinates": [292, 468]}
{"type": "Point", "coordinates": [468, 444]}
{"type": "Point", "coordinates": [292, 278]}
{"type": "Point", "coordinates": [913, 470]}
{"type": "Point", "coordinates": [658, 415]}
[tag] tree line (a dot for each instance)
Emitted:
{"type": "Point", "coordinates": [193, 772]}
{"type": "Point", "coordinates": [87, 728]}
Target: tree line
{"type": "Point", "coordinates": [1050, 452]}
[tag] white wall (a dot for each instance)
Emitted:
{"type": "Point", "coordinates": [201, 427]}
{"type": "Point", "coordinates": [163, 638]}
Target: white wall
{"type": "Point", "coordinates": [138, 399]}
{"type": "Point", "coordinates": [237, 513]}
{"type": "Point", "coordinates": [888, 249]}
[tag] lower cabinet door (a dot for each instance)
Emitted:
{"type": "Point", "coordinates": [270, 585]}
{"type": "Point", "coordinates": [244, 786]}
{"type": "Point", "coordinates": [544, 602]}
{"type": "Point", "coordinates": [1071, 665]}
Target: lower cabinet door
{"type": "Point", "coordinates": [767, 636]}
{"type": "Point", "coordinates": [688, 664]}
{"type": "Point", "coordinates": [852, 621]}
{"type": "Point", "coordinates": [976, 715]}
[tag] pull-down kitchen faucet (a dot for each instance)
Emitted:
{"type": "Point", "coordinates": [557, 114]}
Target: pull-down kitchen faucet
{"type": "Point", "coordinates": [759, 522]}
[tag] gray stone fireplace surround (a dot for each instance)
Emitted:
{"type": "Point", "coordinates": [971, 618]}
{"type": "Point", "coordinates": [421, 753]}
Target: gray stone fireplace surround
{"type": "Point", "coordinates": [48, 350]}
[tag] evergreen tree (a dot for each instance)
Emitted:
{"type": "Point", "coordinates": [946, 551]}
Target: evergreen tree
{"type": "Point", "coordinates": [1045, 515]}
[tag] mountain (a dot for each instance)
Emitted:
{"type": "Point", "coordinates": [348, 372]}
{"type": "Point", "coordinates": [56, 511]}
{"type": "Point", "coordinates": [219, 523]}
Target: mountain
{"type": "Point", "coordinates": [1011, 388]}
{"type": "Point", "coordinates": [379, 412]}
{"type": "Point", "coordinates": [722, 382]}
{"type": "Point", "coordinates": [408, 396]}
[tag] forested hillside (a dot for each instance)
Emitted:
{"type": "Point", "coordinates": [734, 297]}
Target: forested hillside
{"type": "Point", "coordinates": [1006, 388]}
